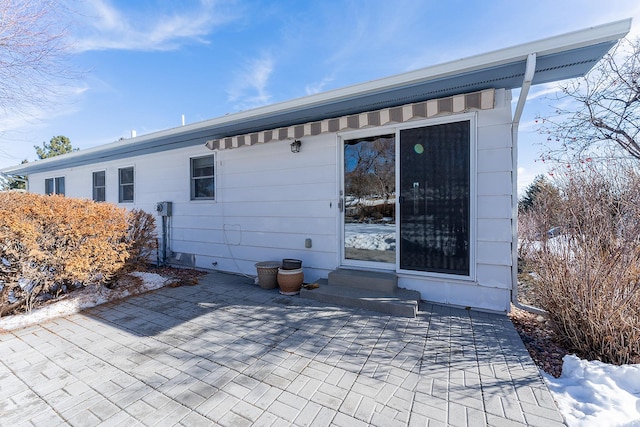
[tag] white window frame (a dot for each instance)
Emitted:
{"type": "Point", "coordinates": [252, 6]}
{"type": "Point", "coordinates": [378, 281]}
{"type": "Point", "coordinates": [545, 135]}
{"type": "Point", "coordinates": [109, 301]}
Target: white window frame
{"type": "Point", "coordinates": [192, 179]}
{"type": "Point", "coordinates": [346, 136]}
{"type": "Point", "coordinates": [121, 185]}
{"type": "Point", "coordinates": [55, 185]}
{"type": "Point", "coordinates": [396, 128]}
{"type": "Point", "coordinates": [94, 187]}
{"type": "Point", "coordinates": [473, 177]}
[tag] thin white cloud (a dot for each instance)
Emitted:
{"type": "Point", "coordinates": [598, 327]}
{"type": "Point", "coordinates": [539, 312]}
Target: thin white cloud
{"type": "Point", "coordinates": [36, 114]}
{"type": "Point", "coordinates": [106, 27]}
{"type": "Point", "coordinates": [543, 91]}
{"type": "Point", "coordinates": [15, 143]}
{"type": "Point", "coordinates": [317, 87]}
{"type": "Point", "coordinates": [249, 90]}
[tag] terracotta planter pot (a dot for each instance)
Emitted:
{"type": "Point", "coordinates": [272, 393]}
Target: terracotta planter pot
{"type": "Point", "coordinates": [290, 281]}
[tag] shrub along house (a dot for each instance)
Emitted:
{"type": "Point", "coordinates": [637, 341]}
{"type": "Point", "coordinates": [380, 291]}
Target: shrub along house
{"type": "Point", "coordinates": [412, 176]}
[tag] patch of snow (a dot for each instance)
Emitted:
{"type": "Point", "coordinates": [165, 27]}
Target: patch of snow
{"type": "Point", "coordinates": [368, 201]}
{"type": "Point", "coordinates": [558, 245]}
{"type": "Point", "coordinates": [380, 237]}
{"type": "Point", "coordinates": [87, 297]}
{"type": "Point", "coordinates": [25, 285]}
{"type": "Point", "coordinates": [11, 297]}
{"type": "Point", "coordinates": [592, 393]}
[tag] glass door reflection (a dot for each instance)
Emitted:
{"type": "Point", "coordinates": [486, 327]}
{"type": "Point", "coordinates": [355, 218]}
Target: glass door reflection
{"type": "Point", "coordinates": [370, 199]}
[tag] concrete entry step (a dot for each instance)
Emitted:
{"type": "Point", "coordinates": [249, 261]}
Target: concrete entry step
{"type": "Point", "coordinates": [363, 279]}
{"type": "Point", "coordinates": [402, 302]}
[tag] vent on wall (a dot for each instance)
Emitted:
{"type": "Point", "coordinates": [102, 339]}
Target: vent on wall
{"type": "Point", "coordinates": [483, 100]}
{"type": "Point", "coordinates": [183, 259]}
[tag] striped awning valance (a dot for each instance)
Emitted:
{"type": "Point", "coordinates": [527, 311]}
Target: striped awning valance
{"type": "Point", "coordinates": [483, 100]}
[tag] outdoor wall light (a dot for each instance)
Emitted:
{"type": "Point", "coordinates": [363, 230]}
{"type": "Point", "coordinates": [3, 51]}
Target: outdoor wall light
{"type": "Point", "coordinates": [295, 146]}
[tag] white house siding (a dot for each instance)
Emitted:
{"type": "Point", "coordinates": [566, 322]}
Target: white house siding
{"type": "Point", "coordinates": [270, 200]}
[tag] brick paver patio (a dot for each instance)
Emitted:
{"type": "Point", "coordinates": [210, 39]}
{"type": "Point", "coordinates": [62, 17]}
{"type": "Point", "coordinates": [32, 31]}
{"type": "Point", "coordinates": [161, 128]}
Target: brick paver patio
{"type": "Point", "coordinates": [226, 352]}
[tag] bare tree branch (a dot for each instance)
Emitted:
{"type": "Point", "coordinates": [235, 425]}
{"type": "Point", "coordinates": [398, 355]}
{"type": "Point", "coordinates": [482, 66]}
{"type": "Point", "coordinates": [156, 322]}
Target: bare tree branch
{"type": "Point", "coordinates": [33, 53]}
{"type": "Point", "coordinates": [604, 110]}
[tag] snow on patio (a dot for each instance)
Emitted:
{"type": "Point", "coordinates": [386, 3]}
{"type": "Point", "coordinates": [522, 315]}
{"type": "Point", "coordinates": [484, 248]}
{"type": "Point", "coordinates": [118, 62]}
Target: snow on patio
{"type": "Point", "coordinates": [87, 297]}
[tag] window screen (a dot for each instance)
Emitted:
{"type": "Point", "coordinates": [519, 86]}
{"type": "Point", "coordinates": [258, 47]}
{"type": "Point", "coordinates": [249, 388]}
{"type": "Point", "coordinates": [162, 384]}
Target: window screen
{"type": "Point", "coordinates": [435, 198]}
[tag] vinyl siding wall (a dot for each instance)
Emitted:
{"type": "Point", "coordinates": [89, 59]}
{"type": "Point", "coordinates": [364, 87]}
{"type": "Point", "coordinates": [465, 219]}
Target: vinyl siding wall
{"type": "Point", "coordinates": [269, 200]}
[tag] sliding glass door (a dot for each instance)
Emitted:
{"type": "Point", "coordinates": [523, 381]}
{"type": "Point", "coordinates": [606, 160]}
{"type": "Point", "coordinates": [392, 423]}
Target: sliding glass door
{"type": "Point", "coordinates": [369, 210]}
{"type": "Point", "coordinates": [406, 199]}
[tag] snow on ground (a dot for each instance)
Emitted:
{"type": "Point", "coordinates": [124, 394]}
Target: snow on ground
{"type": "Point", "coordinates": [378, 237]}
{"type": "Point", "coordinates": [87, 297]}
{"type": "Point", "coordinates": [592, 393]}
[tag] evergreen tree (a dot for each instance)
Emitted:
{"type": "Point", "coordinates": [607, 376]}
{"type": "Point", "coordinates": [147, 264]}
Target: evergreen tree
{"type": "Point", "coordinates": [539, 187]}
{"type": "Point", "coordinates": [56, 146]}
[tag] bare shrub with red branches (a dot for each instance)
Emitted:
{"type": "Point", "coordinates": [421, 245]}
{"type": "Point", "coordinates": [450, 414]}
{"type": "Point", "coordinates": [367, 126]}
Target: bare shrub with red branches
{"type": "Point", "coordinates": [588, 270]}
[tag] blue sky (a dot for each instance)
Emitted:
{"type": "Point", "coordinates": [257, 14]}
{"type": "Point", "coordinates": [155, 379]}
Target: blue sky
{"type": "Point", "coordinates": [147, 63]}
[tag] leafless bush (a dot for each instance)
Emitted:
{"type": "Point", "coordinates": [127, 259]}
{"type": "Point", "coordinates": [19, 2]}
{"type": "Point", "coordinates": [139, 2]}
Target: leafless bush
{"type": "Point", "coordinates": [141, 235]}
{"type": "Point", "coordinates": [535, 223]}
{"type": "Point", "coordinates": [588, 270]}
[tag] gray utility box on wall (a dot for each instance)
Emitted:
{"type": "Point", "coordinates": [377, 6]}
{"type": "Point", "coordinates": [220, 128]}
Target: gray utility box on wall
{"type": "Point", "coordinates": [163, 208]}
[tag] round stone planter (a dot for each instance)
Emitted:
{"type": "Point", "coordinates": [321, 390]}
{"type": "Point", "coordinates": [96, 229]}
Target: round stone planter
{"type": "Point", "coordinates": [268, 274]}
{"type": "Point", "coordinates": [290, 281]}
{"type": "Point", "coordinates": [291, 264]}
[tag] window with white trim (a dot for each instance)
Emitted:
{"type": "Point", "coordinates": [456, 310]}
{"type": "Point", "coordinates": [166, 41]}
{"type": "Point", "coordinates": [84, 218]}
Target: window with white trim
{"type": "Point", "coordinates": [125, 184]}
{"type": "Point", "coordinates": [99, 186]}
{"type": "Point", "coordinates": [54, 185]}
{"type": "Point", "coordinates": [203, 178]}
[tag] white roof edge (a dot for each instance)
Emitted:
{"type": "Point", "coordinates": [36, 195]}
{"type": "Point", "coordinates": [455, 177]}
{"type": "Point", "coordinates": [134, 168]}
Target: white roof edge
{"type": "Point", "coordinates": [547, 46]}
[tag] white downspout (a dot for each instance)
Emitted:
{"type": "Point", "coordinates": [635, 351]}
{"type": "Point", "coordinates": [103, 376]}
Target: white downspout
{"type": "Point", "coordinates": [515, 123]}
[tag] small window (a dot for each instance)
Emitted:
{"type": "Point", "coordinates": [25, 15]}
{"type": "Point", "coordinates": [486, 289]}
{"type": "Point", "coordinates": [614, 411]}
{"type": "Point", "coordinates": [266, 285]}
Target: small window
{"type": "Point", "coordinates": [48, 186]}
{"type": "Point", "coordinates": [203, 178]}
{"type": "Point", "coordinates": [54, 185]}
{"type": "Point", "coordinates": [125, 180]}
{"type": "Point", "coordinates": [99, 186]}
{"type": "Point", "coordinates": [60, 185]}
